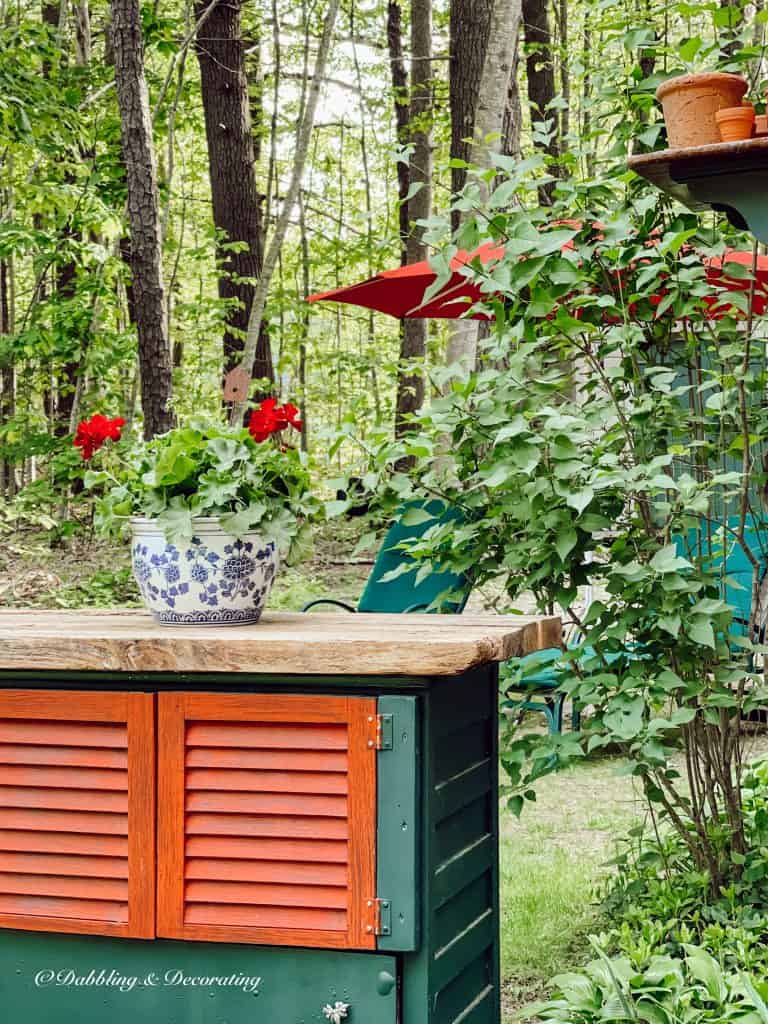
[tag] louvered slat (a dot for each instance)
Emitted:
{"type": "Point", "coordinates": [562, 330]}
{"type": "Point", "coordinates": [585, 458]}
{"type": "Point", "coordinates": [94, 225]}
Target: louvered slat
{"type": "Point", "coordinates": [330, 851]}
{"type": "Point", "coordinates": [267, 818]}
{"type": "Point", "coordinates": [285, 781]}
{"type": "Point", "coordinates": [77, 812]}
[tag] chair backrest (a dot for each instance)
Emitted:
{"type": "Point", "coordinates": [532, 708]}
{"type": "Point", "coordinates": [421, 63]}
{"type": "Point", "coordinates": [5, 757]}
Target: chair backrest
{"type": "Point", "coordinates": [404, 594]}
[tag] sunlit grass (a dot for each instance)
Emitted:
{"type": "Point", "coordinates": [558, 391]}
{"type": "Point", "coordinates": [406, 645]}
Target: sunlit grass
{"type": "Point", "coordinates": [552, 859]}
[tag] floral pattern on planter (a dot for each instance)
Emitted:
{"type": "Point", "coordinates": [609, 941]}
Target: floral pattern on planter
{"type": "Point", "coordinates": [215, 579]}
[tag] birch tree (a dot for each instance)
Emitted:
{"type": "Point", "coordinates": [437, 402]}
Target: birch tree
{"type": "Point", "coordinates": [493, 102]}
{"type": "Point", "coordinates": [410, 381]}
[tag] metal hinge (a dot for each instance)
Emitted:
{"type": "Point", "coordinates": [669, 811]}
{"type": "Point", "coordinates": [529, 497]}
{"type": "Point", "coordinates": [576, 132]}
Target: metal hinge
{"type": "Point", "coordinates": [379, 917]}
{"type": "Point", "coordinates": [383, 732]}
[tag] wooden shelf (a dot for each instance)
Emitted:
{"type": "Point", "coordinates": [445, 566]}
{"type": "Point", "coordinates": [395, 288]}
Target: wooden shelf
{"type": "Point", "coordinates": [283, 643]}
{"type": "Point", "coordinates": [730, 177]}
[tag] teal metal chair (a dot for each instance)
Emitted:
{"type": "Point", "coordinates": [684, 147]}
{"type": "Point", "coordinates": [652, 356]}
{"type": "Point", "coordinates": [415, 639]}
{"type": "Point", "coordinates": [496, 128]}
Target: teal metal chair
{"type": "Point", "coordinates": [538, 677]}
{"type": "Point", "coordinates": [440, 591]}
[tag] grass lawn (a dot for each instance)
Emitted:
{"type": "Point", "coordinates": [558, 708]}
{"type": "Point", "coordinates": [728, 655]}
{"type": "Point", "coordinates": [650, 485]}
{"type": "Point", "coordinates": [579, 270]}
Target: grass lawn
{"type": "Point", "coordinates": [551, 860]}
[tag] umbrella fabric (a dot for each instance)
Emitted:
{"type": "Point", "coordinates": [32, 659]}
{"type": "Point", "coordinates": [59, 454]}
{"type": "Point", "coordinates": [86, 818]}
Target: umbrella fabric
{"type": "Point", "coordinates": [400, 292]}
{"type": "Point", "coordinates": [717, 273]}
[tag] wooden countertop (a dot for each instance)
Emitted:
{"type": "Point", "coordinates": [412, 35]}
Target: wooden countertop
{"type": "Point", "coordinates": [679, 171]}
{"type": "Point", "coordinates": [283, 643]}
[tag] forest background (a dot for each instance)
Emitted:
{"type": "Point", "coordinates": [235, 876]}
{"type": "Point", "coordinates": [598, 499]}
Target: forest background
{"type": "Point", "coordinates": [87, 324]}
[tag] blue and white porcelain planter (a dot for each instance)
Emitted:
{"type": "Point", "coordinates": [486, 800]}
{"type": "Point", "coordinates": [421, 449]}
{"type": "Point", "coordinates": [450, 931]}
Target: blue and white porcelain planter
{"type": "Point", "coordinates": [213, 579]}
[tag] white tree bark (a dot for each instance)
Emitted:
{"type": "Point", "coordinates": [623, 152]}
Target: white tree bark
{"type": "Point", "coordinates": [304, 137]}
{"type": "Point", "coordinates": [489, 123]}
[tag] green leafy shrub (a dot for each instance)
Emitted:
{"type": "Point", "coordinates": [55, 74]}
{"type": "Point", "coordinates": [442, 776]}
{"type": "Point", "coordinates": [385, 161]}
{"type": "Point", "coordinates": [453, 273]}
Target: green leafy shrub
{"type": "Point", "coordinates": [690, 989]}
{"type": "Point", "coordinates": [611, 436]}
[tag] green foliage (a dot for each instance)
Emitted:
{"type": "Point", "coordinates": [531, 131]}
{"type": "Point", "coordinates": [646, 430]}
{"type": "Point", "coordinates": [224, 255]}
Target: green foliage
{"type": "Point", "coordinates": [612, 436]}
{"type": "Point", "coordinates": [661, 990]}
{"type": "Point", "coordinates": [206, 469]}
{"type": "Point", "coordinates": [680, 952]}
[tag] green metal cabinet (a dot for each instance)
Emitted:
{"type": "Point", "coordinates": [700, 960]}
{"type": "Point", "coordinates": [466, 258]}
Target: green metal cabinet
{"type": "Point", "coordinates": [436, 955]}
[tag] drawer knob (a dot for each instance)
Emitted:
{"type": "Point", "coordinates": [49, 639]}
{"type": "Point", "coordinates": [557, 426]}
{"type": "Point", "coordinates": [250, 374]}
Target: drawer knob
{"type": "Point", "coordinates": [337, 1013]}
{"type": "Point", "coordinates": [385, 983]}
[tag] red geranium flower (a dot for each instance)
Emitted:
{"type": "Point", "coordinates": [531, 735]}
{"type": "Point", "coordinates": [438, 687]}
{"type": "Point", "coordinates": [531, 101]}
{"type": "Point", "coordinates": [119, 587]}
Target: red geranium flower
{"type": "Point", "coordinates": [270, 418]}
{"type": "Point", "coordinates": [91, 434]}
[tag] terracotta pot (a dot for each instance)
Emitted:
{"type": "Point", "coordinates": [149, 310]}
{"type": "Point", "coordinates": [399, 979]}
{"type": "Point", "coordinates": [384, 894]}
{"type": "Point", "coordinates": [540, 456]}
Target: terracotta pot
{"type": "Point", "coordinates": [735, 123]}
{"type": "Point", "coordinates": [761, 124]}
{"type": "Point", "coordinates": [690, 103]}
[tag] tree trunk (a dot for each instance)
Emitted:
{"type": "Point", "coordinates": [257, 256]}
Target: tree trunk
{"type": "Point", "coordinates": [7, 381]}
{"type": "Point", "coordinates": [303, 138]}
{"type": "Point", "coordinates": [470, 26]}
{"type": "Point", "coordinates": [565, 76]}
{"type": "Point", "coordinates": [231, 165]}
{"type": "Point", "coordinates": [493, 97]}
{"type": "Point", "coordinates": [143, 217]}
{"type": "Point", "coordinates": [413, 346]}
{"type": "Point", "coordinates": [513, 114]}
{"type": "Point", "coordinates": [493, 100]}
{"type": "Point", "coordinates": [402, 116]}
{"type": "Point", "coordinates": [541, 78]}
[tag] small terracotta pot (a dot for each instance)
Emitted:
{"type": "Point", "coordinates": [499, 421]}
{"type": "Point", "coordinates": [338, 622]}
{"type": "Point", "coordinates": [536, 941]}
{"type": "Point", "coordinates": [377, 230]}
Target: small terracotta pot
{"type": "Point", "coordinates": [690, 103]}
{"type": "Point", "coordinates": [735, 123]}
{"type": "Point", "coordinates": [761, 125]}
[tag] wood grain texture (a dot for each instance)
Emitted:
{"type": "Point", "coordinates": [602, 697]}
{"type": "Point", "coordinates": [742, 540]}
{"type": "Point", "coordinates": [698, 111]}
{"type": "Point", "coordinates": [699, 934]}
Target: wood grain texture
{"type": "Point", "coordinates": [77, 817]}
{"type": "Point", "coordinates": [282, 643]}
{"type": "Point", "coordinates": [671, 169]}
{"type": "Point", "coordinates": [281, 856]}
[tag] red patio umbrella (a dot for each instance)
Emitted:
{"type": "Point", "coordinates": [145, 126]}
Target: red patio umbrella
{"type": "Point", "coordinates": [400, 292]}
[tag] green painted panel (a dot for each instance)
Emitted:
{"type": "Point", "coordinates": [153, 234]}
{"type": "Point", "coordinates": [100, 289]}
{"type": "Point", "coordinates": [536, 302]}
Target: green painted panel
{"type": "Point", "coordinates": [67, 979]}
{"type": "Point", "coordinates": [454, 975]}
{"type": "Point", "coordinates": [399, 824]}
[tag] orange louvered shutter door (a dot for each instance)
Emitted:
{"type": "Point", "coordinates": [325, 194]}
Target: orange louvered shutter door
{"type": "Point", "coordinates": [267, 811]}
{"type": "Point", "coordinates": [77, 812]}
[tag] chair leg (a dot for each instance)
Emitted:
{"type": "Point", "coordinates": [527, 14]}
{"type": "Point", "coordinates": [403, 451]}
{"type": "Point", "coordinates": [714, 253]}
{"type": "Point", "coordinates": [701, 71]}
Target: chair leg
{"type": "Point", "coordinates": [554, 714]}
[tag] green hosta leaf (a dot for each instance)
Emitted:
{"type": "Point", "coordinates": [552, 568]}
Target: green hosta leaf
{"type": "Point", "coordinates": [707, 970]}
{"type": "Point", "coordinates": [580, 991]}
{"type": "Point", "coordinates": [755, 998]}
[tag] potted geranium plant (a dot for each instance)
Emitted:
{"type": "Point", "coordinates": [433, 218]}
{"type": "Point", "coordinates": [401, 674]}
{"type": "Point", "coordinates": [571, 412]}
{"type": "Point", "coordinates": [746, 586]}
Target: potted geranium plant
{"type": "Point", "coordinates": [211, 508]}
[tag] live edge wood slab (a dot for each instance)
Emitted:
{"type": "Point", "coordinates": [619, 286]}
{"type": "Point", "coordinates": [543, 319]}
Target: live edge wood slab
{"type": "Point", "coordinates": [282, 643]}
